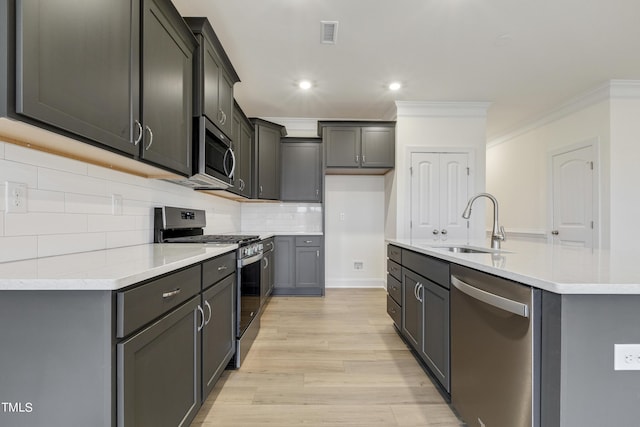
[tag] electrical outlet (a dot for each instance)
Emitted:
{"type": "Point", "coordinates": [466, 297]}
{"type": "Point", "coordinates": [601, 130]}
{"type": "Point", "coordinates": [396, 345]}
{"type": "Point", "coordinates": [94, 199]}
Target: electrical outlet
{"type": "Point", "coordinates": [116, 204]}
{"type": "Point", "coordinates": [16, 197]}
{"type": "Point", "coordinates": [358, 265]}
{"type": "Point", "coordinates": [626, 357]}
{"type": "Point", "coordinates": [342, 216]}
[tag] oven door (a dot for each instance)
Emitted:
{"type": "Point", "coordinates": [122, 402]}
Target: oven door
{"type": "Point", "coordinates": [249, 272]}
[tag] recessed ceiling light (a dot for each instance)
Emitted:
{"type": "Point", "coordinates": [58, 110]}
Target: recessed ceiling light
{"type": "Point", "coordinates": [395, 86]}
{"type": "Point", "coordinates": [304, 84]}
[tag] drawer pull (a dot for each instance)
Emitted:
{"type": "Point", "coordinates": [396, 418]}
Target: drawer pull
{"type": "Point", "coordinates": [222, 268]}
{"type": "Point", "coordinates": [393, 310]}
{"type": "Point", "coordinates": [170, 294]}
{"type": "Point", "coordinates": [308, 241]}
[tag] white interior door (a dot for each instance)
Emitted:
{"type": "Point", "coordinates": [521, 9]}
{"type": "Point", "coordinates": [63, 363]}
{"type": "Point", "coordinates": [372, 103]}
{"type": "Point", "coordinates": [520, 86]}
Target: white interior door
{"type": "Point", "coordinates": [572, 198]}
{"type": "Point", "coordinates": [439, 187]}
{"type": "Point", "coordinates": [453, 195]}
{"type": "Point", "coordinates": [425, 195]}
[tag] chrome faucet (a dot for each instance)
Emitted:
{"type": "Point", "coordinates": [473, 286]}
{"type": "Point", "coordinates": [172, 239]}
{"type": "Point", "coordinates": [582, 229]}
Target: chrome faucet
{"type": "Point", "coordinates": [497, 234]}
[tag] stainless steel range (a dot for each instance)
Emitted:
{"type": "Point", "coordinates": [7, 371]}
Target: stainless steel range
{"type": "Point", "coordinates": [182, 225]}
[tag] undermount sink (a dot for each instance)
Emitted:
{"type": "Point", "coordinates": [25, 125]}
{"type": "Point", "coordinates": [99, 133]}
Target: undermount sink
{"type": "Point", "coordinates": [469, 250]}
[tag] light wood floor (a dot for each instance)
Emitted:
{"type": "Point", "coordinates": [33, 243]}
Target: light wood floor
{"type": "Point", "coordinates": [332, 361]}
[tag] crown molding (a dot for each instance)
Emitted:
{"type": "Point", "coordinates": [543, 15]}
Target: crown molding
{"type": "Point", "coordinates": [442, 109]}
{"type": "Point", "coordinates": [612, 89]}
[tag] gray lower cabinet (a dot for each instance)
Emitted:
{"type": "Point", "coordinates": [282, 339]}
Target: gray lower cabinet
{"type": "Point", "coordinates": [425, 310]}
{"type": "Point", "coordinates": [299, 265]}
{"type": "Point", "coordinates": [268, 270]}
{"type": "Point", "coordinates": [218, 332]}
{"type": "Point", "coordinates": [159, 371]}
{"type": "Point", "coordinates": [301, 170]}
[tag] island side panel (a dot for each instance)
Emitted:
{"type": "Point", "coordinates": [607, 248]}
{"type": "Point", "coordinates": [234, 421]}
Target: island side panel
{"type": "Point", "coordinates": [56, 358]}
{"type": "Point", "coordinates": [593, 393]}
{"type": "Point", "coordinates": [550, 358]}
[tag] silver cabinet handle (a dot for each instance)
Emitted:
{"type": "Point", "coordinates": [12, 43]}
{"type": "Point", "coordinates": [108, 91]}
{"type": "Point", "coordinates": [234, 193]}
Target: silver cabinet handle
{"type": "Point", "coordinates": [357, 158]}
{"type": "Point", "coordinates": [201, 318]}
{"type": "Point", "coordinates": [261, 189]}
{"type": "Point", "coordinates": [222, 268]}
{"type": "Point", "coordinates": [492, 299]}
{"type": "Point", "coordinates": [364, 159]}
{"type": "Point", "coordinates": [393, 310]}
{"type": "Point", "coordinates": [210, 313]}
{"type": "Point", "coordinates": [318, 253]}
{"type": "Point", "coordinates": [415, 290]}
{"type": "Point", "coordinates": [420, 289]}
{"type": "Point", "coordinates": [436, 232]}
{"type": "Point", "coordinates": [555, 232]}
{"type": "Point", "coordinates": [241, 181]}
{"type": "Point", "coordinates": [171, 293]}
{"type": "Point", "coordinates": [140, 133]}
{"type": "Point", "coordinates": [150, 137]}
{"type": "Point", "coordinates": [444, 231]}
{"type": "Point", "coordinates": [220, 113]}
{"type": "Point", "coordinates": [266, 263]}
{"type": "Point", "coordinates": [308, 241]}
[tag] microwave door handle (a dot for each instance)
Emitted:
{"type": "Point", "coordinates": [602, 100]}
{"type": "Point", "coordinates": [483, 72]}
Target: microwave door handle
{"type": "Point", "coordinates": [233, 163]}
{"type": "Point", "coordinates": [224, 162]}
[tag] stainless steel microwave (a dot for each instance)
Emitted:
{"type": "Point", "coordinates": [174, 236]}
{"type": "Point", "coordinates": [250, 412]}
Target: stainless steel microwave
{"type": "Point", "coordinates": [213, 159]}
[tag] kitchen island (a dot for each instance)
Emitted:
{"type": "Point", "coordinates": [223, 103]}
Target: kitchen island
{"type": "Point", "coordinates": [589, 301]}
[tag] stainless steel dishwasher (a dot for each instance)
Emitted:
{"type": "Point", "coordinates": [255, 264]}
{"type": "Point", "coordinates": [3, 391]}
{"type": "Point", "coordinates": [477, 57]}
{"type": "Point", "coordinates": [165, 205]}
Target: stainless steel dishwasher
{"type": "Point", "coordinates": [495, 345]}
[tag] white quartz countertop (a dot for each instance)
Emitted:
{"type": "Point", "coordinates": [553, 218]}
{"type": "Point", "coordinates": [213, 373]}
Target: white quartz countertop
{"type": "Point", "coordinates": [109, 269]}
{"type": "Point", "coordinates": [555, 268]}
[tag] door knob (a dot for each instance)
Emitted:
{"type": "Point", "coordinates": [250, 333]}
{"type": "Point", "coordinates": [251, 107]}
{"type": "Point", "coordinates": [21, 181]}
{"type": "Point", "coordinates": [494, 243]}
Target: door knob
{"type": "Point", "coordinates": [435, 232]}
{"type": "Point", "coordinates": [555, 232]}
{"type": "Point", "coordinates": [444, 231]}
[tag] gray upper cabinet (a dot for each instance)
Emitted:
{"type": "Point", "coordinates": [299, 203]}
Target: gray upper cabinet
{"type": "Point", "coordinates": [78, 68]}
{"type": "Point", "coordinates": [301, 170]}
{"type": "Point", "coordinates": [242, 144]}
{"type": "Point", "coordinates": [267, 159]}
{"type": "Point", "coordinates": [116, 74]}
{"type": "Point", "coordinates": [358, 146]}
{"type": "Point", "coordinates": [214, 76]}
{"type": "Point", "coordinates": [167, 53]}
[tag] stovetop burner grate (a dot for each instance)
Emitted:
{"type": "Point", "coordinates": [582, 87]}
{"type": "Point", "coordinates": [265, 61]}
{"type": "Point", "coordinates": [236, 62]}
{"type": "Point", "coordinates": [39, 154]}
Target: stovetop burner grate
{"type": "Point", "coordinates": [214, 238]}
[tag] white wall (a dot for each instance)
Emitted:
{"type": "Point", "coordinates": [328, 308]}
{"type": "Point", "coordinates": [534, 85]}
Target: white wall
{"type": "Point", "coordinates": [354, 231]}
{"type": "Point", "coordinates": [70, 209]}
{"type": "Point", "coordinates": [438, 126]}
{"type": "Point", "coordinates": [518, 169]}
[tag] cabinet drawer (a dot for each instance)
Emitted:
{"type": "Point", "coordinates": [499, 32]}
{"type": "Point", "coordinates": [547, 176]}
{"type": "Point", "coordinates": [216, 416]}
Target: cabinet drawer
{"type": "Point", "coordinates": [394, 253]}
{"type": "Point", "coordinates": [393, 310]}
{"type": "Point", "coordinates": [144, 303]}
{"type": "Point", "coordinates": [217, 269]}
{"type": "Point", "coordinates": [433, 269]}
{"type": "Point", "coordinates": [308, 240]}
{"type": "Point", "coordinates": [394, 269]}
{"type": "Point", "coordinates": [394, 288]}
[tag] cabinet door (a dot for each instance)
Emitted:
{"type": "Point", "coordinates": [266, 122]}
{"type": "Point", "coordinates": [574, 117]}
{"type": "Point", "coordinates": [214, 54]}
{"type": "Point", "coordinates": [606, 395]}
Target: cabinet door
{"type": "Point", "coordinates": [211, 74]}
{"type": "Point", "coordinates": [77, 68]}
{"type": "Point", "coordinates": [218, 333]}
{"type": "Point", "coordinates": [242, 147]}
{"type": "Point", "coordinates": [301, 173]}
{"type": "Point", "coordinates": [307, 267]}
{"type": "Point", "coordinates": [435, 334]}
{"type": "Point", "coordinates": [343, 146]}
{"type": "Point", "coordinates": [268, 162]}
{"type": "Point", "coordinates": [225, 101]}
{"type": "Point", "coordinates": [378, 147]}
{"type": "Point", "coordinates": [412, 308]}
{"type": "Point", "coordinates": [167, 87]}
{"type": "Point", "coordinates": [158, 376]}
{"type": "Point", "coordinates": [284, 262]}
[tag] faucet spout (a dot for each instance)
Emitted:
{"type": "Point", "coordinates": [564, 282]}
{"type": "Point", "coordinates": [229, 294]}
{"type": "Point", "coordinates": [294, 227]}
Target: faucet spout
{"type": "Point", "coordinates": [497, 234]}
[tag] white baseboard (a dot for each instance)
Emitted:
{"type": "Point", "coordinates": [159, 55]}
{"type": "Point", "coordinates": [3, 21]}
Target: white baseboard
{"type": "Point", "coordinates": [356, 283]}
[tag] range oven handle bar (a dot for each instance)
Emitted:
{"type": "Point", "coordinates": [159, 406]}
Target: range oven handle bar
{"type": "Point", "coordinates": [246, 261]}
{"type": "Point", "coordinates": [492, 299]}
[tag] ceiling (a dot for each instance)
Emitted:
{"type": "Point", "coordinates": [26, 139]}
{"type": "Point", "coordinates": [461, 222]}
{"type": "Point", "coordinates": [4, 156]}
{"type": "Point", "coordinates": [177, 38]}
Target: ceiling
{"type": "Point", "coordinates": [523, 56]}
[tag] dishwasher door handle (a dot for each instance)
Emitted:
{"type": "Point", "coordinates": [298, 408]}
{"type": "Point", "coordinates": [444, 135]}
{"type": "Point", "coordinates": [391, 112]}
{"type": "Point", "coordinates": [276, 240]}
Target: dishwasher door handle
{"type": "Point", "coordinates": [487, 297]}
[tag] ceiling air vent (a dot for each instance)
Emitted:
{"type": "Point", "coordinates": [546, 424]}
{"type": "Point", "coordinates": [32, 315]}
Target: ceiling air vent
{"type": "Point", "coordinates": [329, 33]}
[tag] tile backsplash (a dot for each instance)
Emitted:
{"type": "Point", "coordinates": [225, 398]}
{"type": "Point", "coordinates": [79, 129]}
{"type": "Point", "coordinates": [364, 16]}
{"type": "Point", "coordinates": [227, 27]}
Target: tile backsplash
{"type": "Point", "coordinates": [70, 208]}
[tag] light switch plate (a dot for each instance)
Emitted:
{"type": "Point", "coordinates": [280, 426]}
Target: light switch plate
{"type": "Point", "coordinates": [116, 204]}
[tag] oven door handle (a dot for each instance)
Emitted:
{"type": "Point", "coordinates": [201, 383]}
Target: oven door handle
{"type": "Point", "coordinates": [246, 261]}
